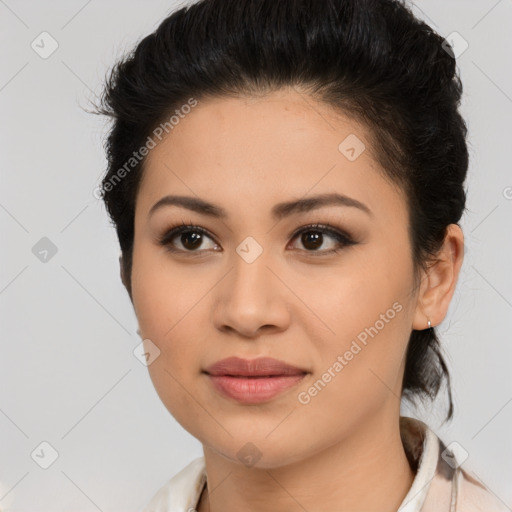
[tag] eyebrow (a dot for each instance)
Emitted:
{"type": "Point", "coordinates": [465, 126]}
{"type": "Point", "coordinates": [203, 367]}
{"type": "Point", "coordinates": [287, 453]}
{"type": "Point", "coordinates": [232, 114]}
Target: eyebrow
{"type": "Point", "coordinates": [278, 212]}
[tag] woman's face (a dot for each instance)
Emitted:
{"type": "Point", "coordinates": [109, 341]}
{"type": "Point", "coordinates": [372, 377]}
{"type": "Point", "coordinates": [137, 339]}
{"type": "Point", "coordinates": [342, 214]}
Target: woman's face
{"type": "Point", "coordinates": [249, 286]}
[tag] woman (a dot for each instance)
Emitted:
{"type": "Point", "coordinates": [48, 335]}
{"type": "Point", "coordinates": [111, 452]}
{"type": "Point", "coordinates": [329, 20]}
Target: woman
{"type": "Point", "coordinates": [286, 180]}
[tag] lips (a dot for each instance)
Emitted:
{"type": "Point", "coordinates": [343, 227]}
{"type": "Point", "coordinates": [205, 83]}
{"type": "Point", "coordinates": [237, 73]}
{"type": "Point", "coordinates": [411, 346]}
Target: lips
{"type": "Point", "coordinates": [253, 381]}
{"type": "Point", "coordinates": [260, 367]}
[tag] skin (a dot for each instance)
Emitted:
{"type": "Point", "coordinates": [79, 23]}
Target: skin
{"type": "Point", "coordinates": [246, 155]}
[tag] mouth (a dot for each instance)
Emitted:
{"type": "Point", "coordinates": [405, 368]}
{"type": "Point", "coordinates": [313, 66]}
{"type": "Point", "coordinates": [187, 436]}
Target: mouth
{"type": "Point", "coordinates": [253, 381]}
{"type": "Point", "coordinates": [253, 390]}
{"type": "Point", "coordinates": [260, 367]}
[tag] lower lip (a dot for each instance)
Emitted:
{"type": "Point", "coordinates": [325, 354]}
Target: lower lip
{"type": "Point", "coordinates": [254, 390]}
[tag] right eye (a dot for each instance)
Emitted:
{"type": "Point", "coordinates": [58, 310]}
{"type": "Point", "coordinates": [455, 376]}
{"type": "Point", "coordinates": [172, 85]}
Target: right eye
{"type": "Point", "coordinates": [189, 236]}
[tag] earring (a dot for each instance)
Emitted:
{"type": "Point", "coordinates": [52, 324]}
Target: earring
{"type": "Point", "coordinates": [429, 323]}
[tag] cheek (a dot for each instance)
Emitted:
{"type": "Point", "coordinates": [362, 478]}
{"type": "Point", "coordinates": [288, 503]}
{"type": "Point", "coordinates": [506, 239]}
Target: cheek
{"type": "Point", "coordinates": [176, 372]}
{"type": "Point", "coordinates": [350, 300]}
{"type": "Point", "coordinates": [170, 314]}
{"type": "Point", "coordinates": [163, 293]}
{"type": "Point", "coordinates": [360, 369]}
{"type": "Point", "coordinates": [368, 312]}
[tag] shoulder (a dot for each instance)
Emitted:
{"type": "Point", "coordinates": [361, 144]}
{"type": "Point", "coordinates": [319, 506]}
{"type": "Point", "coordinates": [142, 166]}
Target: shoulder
{"type": "Point", "coordinates": [441, 483]}
{"type": "Point", "coordinates": [182, 491]}
{"type": "Point", "coordinates": [454, 488]}
{"type": "Point", "coordinates": [473, 495]}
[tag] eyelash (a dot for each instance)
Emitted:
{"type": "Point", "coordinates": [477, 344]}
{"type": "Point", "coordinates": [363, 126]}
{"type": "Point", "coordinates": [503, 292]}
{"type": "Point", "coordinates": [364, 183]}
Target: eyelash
{"type": "Point", "coordinates": [343, 239]}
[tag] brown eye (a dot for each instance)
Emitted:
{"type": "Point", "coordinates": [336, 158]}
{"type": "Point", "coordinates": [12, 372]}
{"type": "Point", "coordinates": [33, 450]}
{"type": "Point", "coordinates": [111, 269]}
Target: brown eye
{"type": "Point", "coordinates": [191, 239]}
{"type": "Point", "coordinates": [312, 239]}
{"type": "Point", "coordinates": [315, 236]}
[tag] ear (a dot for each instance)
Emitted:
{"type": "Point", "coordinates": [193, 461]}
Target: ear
{"type": "Point", "coordinates": [438, 284]}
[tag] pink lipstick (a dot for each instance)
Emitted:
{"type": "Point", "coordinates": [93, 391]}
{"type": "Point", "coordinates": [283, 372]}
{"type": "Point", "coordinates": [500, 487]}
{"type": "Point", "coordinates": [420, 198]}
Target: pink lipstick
{"type": "Point", "coordinates": [253, 381]}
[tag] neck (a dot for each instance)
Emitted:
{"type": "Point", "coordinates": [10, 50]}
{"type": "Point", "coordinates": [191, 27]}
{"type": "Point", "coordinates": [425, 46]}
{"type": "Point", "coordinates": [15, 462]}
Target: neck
{"type": "Point", "coordinates": [340, 478]}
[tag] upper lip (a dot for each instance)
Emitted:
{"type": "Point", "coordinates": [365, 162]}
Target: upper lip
{"type": "Point", "coordinates": [262, 366]}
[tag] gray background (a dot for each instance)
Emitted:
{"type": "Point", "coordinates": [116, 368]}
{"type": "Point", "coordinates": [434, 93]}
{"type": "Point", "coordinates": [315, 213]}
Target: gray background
{"type": "Point", "coordinates": [68, 373]}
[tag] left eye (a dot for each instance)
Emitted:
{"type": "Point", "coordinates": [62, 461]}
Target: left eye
{"type": "Point", "coordinates": [312, 237]}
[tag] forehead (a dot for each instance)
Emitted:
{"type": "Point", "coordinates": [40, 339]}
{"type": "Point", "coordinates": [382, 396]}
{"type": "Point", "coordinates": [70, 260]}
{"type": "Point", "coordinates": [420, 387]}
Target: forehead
{"type": "Point", "coordinates": [257, 151]}
{"type": "Point", "coordinates": [233, 128]}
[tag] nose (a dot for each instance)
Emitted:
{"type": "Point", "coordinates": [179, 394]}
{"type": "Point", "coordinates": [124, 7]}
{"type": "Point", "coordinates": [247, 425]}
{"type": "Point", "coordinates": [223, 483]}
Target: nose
{"type": "Point", "coordinates": [252, 299]}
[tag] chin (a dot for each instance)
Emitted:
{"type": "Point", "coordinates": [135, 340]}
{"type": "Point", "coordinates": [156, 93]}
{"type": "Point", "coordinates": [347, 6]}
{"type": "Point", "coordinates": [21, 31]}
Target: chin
{"type": "Point", "coordinates": [258, 453]}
